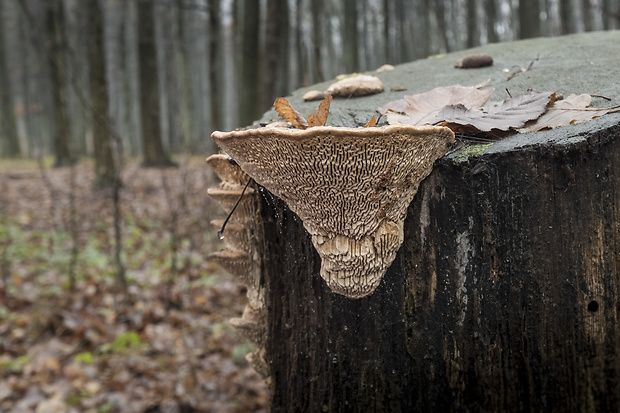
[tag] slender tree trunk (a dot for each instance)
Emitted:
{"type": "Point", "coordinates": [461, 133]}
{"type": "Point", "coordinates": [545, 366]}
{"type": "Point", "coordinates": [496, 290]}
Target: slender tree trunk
{"type": "Point", "coordinates": [473, 34]}
{"type": "Point", "coordinates": [276, 52]}
{"type": "Point", "coordinates": [214, 39]}
{"type": "Point", "coordinates": [351, 52]}
{"type": "Point", "coordinates": [105, 167]}
{"type": "Point", "coordinates": [491, 10]}
{"type": "Point", "coordinates": [440, 15]}
{"type": "Point", "coordinates": [153, 148]}
{"type": "Point", "coordinates": [250, 105]}
{"type": "Point", "coordinates": [58, 73]}
{"type": "Point", "coordinates": [185, 78]}
{"type": "Point", "coordinates": [586, 13]}
{"type": "Point", "coordinates": [318, 22]}
{"type": "Point", "coordinates": [9, 145]}
{"type": "Point", "coordinates": [567, 17]}
{"type": "Point", "coordinates": [529, 19]}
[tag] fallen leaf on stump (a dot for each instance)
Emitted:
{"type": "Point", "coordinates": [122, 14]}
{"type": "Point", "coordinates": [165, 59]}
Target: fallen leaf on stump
{"type": "Point", "coordinates": [319, 117]}
{"type": "Point", "coordinates": [313, 95]}
{"type": "Point", "coordinates": [569, 111]}
{"type": "Point", "coordinates": [422, 108]}
{"type": "Point", "coordinates": [474, 61]}
{"type": "Point", "coordinates": [360, 85]}
{"type": "Point", "coordinates": [372, 122]}
{"type": "Point", "coordinates": [467, 109]}
{"type": "Point", "coordinates": [511, 113]}
{"type": "Point", "coordinates": [286, 111]}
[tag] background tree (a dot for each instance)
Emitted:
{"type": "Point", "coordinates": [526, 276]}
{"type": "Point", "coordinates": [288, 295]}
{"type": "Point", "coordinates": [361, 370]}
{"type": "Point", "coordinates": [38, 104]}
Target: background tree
{"type": "Point", "coordinates": [250, 63]}
{"type": "Point", "coordinates": [8, 126]}
{"type": "Point", "coordinates": [529, 19]}
{"type": "Point", "coordinates": [153, 148]}
{"type": "Point", "coordinates": [105, 166]}
{"type": "Point", "coordinates": [58, 73]}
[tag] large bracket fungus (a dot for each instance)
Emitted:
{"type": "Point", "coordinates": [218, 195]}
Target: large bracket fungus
{"type": "Point", "coordinates": [350, 186]}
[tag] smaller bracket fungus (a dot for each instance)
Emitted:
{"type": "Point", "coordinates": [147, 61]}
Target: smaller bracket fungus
{"type": "Point", "coordinates": [350, 186]}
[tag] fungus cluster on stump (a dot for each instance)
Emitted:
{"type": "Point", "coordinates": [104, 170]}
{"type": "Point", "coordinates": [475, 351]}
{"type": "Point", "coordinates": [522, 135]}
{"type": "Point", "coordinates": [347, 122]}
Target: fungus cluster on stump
{"type": "Point", "coordinates": [350, 186]}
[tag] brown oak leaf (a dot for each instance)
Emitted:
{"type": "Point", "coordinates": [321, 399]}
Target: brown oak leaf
{"type": "Point", "coordinates": [319, 117]}
{"type": "Point", "coordinates": [286, 111]}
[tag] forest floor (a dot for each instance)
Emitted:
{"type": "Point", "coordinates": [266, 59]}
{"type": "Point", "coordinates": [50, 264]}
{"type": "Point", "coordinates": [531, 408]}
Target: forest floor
{"type": "Point", "coordinates": [166, 345]}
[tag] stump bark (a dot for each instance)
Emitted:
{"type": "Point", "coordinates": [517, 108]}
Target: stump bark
{"type": "Point", "coordinates": [505, 293]}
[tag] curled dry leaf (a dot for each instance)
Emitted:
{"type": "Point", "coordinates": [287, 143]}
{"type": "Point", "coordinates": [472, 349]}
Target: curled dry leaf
{"type": "Point", "coordinates": [286, 111]}
{"type": "Point", "coordinates": [384, 68]}
{"type": "Point", "coordinates": [474, 61]}
{"type": "Point", "coordinates": [511, 113]}
{"type": "Point", "coordinates": [422, 108]}
{"type": "Point", "coordinates": [313, 95]}
{"type": "Point", "coordinates": [360, 85]}
{"type": "Point", "coordinates": [319, 117]}
{"type": "Point", "coordinates": [372, 122]}
{"type": "Point", "coordinates": [568, 111]}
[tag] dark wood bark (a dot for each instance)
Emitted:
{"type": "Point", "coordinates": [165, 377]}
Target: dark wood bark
{"type": "Point", "coordinates": [58, 72]}
{"type": "Point", "coordinates": [503, 296]}
{"type": "Point", "coordinates": [105, 167]}
{"type": "Point", "coordinates": [152, 145]}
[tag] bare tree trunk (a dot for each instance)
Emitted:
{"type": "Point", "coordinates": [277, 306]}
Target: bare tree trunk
{"type": "Point", "coordinates": [153, 148]}
{"type": "Point", "coordinates": [318, 20]}
{"type": "Point", "coordinates": [567, 17]}
{"type": "Point", "coordinates": [105, 167]}
{"type": "Point", "coordinates": [473, 34]}
{"type": "Point", "coordinates": [214, 30]}
{"type": "Point", "coordinates": [529, 19]}
{"type": "Point", "coordinates": [58, 73]}
{"type": "Point", "coordinates": [442, 26]}
{"type": "Point", "coordinates": [275, 60]}
{"type": "Point", "coordinates": [351, 52]}
{"type": "Point", "coordinates": [491, 10]}
{"type": "Point", "coordinates": [586, 13]}
{"type": "Point", "coordinates": [9, 146]}
{"type": "Point", "coordinates": [250, 62]}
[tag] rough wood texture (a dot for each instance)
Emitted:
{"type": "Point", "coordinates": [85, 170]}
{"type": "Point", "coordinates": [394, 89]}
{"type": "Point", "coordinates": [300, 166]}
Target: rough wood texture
{"type": "Point", "coordinates": [504, 295]}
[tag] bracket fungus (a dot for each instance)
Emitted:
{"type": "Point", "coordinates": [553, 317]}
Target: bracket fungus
{"type": "Point", "coordinates": [350, 186]}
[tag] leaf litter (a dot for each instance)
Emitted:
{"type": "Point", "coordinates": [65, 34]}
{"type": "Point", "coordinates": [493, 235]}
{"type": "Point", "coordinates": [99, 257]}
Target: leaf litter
{"type": "Point", "coordinates": [83, 351]}
{"type": "Point", "coordinates": [467, 108]}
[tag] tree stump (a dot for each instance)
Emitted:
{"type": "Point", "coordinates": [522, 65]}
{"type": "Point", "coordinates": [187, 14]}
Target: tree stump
{"type": "Point", "coordinates": [505, 293]}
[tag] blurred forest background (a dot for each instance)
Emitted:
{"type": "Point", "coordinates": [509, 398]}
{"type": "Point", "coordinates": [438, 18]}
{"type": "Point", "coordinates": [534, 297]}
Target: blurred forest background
{"type": "Point", "coordinates": [107, 300]}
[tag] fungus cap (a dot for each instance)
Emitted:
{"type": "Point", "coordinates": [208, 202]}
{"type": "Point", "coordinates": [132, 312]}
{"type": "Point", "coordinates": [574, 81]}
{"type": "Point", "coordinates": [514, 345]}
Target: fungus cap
{"type": "Point", "coordinates": [350, 186]}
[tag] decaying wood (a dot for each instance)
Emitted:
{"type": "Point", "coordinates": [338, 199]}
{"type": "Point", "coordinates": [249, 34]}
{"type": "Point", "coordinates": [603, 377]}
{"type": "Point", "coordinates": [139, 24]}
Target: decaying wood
{"type": "Point", "coordinates": [503, 296]}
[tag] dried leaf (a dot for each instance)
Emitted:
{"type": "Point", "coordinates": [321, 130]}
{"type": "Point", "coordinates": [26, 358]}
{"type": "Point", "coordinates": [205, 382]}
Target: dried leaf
{"type": "Point", "coordinates": [286, 111]}
{"type": "Point", "coordinates": [313, 95]}
{"type": "Point", "coordinates": [566, 112]}
{"type": "Point", "coordinates": [511, 113]}
{"type": "Point", "coordinates": [422, 108]}
{"type": "Point", "coordinates": [474, 61]}
{"type": "Point", "coordinates": [319, 117]}
{"type": "Point", "coordinates": [360, 85]}
{"type": "Point", "coordinates": [372, 122]}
